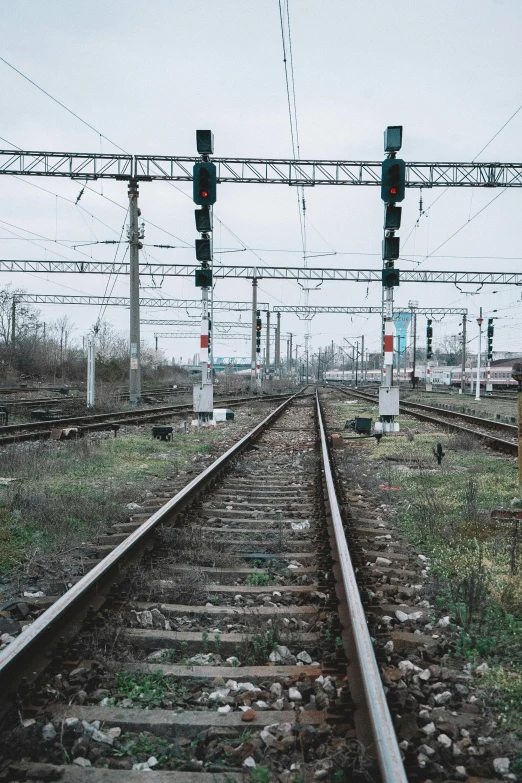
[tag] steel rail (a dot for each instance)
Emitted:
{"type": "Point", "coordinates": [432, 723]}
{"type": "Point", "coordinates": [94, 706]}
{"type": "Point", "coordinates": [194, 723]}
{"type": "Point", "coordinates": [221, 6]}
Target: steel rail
{"type": "Point", "coordinates": [499, 444]}
{"type": "Point", "coordinates": [367, 689]}
{"type": "Point", "coordinates": [28, 653]}
{"type": "Point", "coordinates": [510, 429]}
{"type": "Point", "coordinates": [13, 433]}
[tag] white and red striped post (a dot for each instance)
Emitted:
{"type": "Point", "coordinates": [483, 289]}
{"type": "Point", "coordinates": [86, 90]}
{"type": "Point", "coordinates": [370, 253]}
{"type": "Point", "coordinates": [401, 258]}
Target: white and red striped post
{"type": "Point", "coordinates": [206, 375]}
{"type": "Point", "coordinates": [388, 351]}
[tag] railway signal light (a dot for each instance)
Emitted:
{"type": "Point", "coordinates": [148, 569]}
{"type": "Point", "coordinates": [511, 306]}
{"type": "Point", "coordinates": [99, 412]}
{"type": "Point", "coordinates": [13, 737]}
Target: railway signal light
{"type": "Point", "coordinates": [393, 138]}
{"type": "Point", "coordinates": [429, 337]}
{"type": "Point", "coordinates": [258, 331]}
{"type": "Point", "coordinates": [491, 330]}
{"type": "Point", "coordinates": [203, 221]}
{"type": "Point", "coordinates": [203, 277]}
{"type": "Point", "coordinates": [390, 248]}
{"type": "Point", "coordinates": [392, 218]}
{"type": "Point", "coordinates": [205, 142]}
{"type": "Point", "coordinates": [390, 277]}
{"type": "Point", "coordinates": [204, 183]}
{"type": "Point", "coordinates": [203, 252]}
{"type": "Point", "coordinates": [393, 180]}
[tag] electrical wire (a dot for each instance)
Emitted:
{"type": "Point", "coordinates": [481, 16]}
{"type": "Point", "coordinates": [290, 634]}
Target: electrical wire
{"type": "Point", "coordinates": [464, 225]}
{"type": "Point", "coordinates": [102, 135]}
{"type": "Point", "coordinates": [103, 306]}
{"type": "Point", "coordinates": [473, 161]}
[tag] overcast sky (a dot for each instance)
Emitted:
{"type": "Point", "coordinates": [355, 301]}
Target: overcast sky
{"type": "Point", "coordinates": [148, 74]}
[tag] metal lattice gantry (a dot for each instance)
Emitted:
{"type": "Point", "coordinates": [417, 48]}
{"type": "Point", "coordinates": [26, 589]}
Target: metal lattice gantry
{"type": "Point", "coordinates": [195, 335]}
{"type": "Point", "coordinates": [281, 171]}
{"type": "Point", "coordinates": [309, 311]}
{"type": "Point", "coordinates": [265, 272]}
{"type": "Point", "coordinates": [195, 322]}
{"type": "Point", "coordinates": [124, 301]}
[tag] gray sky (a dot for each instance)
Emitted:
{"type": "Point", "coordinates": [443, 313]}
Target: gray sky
{"type": "Point", "coordinates": [147, 75]}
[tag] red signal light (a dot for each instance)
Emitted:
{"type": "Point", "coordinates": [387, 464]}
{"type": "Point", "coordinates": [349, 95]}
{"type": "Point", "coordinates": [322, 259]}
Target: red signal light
{"type": "Point", "coordinates": [393, 191]}
{"type": "Point", "coordinates": [204, 193]}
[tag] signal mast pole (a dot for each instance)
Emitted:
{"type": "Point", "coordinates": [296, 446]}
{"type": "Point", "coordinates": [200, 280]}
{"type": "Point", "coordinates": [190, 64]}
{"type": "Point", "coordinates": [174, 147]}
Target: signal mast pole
{"type": "Point", "coordinates": [393, 184]}
{"type": "Point", "coordinates": [134, 293]}
{"type": "Point", "coordinates": [204, 194]}
{"type": "Point", "coordinates": [479, 322]}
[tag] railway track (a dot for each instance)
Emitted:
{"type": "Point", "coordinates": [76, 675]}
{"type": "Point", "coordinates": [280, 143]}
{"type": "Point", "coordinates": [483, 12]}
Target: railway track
{"type": "Point", "coordinates": [447, 418]}
{"type": "Point", "coordinates": [27, 431]}
{"type": "Point", "coordinates": [238, 642]}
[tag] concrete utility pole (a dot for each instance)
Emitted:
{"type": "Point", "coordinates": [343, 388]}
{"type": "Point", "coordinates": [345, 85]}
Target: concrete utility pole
{"type": "Point", "coordinates": [277, 358]}
{"type": "Point", "coordinates": [253, 355]}
{"type": "Point", "coordinates": [91, 365]}
{"type": "Point", "coordinates": [463, 378]}
{"type": "Point", "coordinates": [134, 293]}
{"type": "Point", "coordinates": [477, 389]}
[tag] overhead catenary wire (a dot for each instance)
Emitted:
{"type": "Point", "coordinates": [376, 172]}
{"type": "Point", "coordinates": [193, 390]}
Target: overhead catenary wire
{"type": "Point", "coordinates": [473, 161]}
{"type": "Point", "coordinates": [70, 111]}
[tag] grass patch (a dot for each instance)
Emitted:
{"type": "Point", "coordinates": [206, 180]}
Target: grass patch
{"type": "Point", "coordinates": [154, 686]}
{"type": "Point", "coordinates": [503, 693]}
{"type": "Point", "coordinates": [66, 493]}
{"type": "Point", "coordinates": [259, 579]}
{"type": "Point", "coordinates": [446, 511]}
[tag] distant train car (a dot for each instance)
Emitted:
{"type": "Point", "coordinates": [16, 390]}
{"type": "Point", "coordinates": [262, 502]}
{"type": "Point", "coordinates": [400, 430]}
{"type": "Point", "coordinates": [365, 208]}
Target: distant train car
{"type": "Point", "coordinates": [441, 376]}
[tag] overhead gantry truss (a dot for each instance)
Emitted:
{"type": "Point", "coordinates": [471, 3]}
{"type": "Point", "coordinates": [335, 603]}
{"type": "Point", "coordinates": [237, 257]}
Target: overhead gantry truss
{"type": "Point", "coordinates": [216, 325]}
{"type": "Point", "coordinates": [123, 301]}
{"type": "Point", "coordinates": [280, 171]}
{"type": "Point", "coordinates": [309, 310]}
{"type": "Point", "coordinates": [195, 335]}
{"type": "Point", "coordinates": [266, 272]}
{"type": "Point", "coordinates": [219, 325]}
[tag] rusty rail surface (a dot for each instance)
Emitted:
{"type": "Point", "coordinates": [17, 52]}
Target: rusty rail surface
{"type": "Point", "coordinates": [372, 716]}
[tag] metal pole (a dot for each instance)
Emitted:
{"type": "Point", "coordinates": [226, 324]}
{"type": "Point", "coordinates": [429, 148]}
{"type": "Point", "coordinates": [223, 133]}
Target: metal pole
{"type": "Point", "coordinates": [253, 353]}
{"type": "Point", "coordinates": [290, 357]}
{"type": "Point", "coordinates": [296, 366]}
{"type": "Point", "coordinates": [463, 378]}
{"type": "Point", "coordinates": [318, 365]}
{"type": "Point", "coordinates": [267, 348]}
{"type": "Point", "coordinates": [477, 389]}
{"type": "Point", "coordinates": [356, 362]}
{"type": "Point", "coordinates": [156, 339]}
{"type": "Point", "coordinates": [91, 359]}
{"type": "Point", "coordinates": [363, 367]}
{"type": "Point", "coordinates": [134, 281]}
{"type": "Point", "coordinates": [307, 375]}
{"type": "Point", "coordinates": [13, 324]}
{"type": "Point", "coordinates": [259, 385]}
{"type": "Point", "coordinates": [414, 363]}
{"type": "Point", "coordinates": [516, 373]}
{"type": "Point", "coordinates": [277, 358]}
